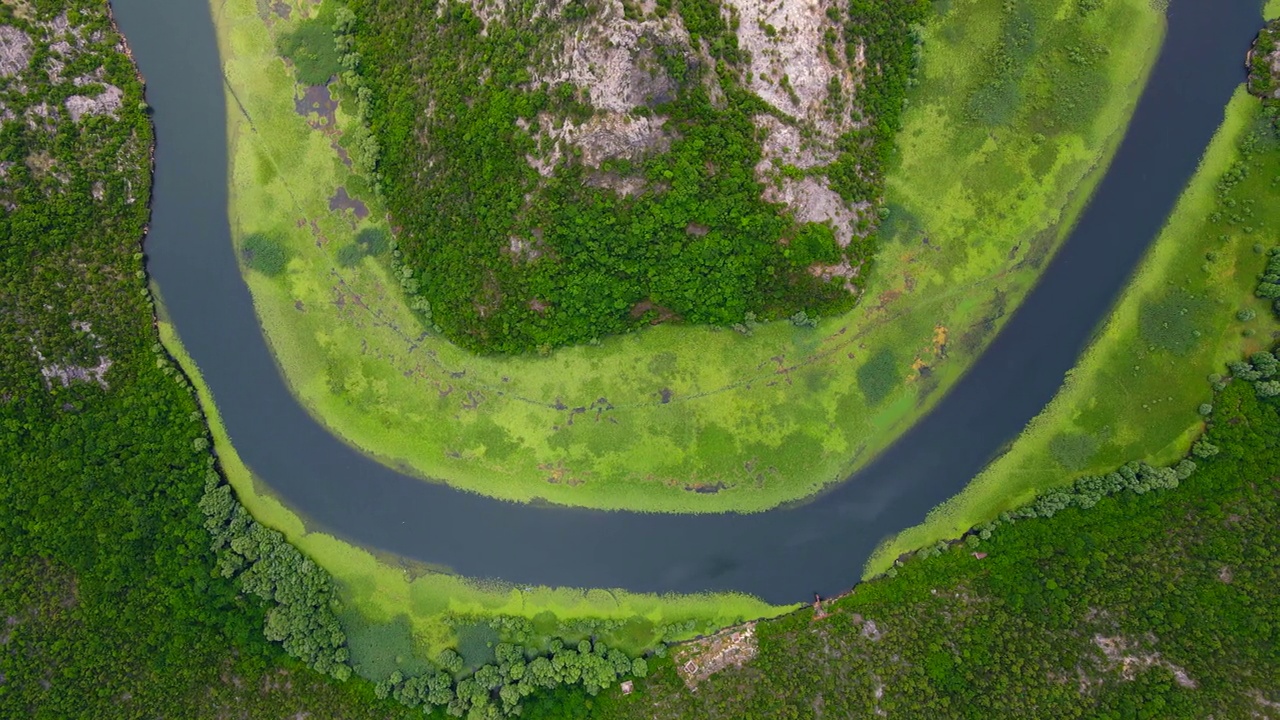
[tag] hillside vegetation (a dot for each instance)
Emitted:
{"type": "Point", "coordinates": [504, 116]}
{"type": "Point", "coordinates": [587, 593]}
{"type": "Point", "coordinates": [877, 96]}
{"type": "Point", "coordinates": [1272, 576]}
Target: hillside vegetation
{"type": "Point", "coordinates": [561, 171]}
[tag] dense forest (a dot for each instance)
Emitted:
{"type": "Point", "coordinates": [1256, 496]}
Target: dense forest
{"type": "Point", "coordinates": [540, 201]}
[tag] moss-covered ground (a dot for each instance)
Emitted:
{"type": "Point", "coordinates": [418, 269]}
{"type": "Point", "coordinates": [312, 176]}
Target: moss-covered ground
{"type": "Point", "coordinates": [688, 419]}
{"type": "Point", "coordinates": [1140, 390]}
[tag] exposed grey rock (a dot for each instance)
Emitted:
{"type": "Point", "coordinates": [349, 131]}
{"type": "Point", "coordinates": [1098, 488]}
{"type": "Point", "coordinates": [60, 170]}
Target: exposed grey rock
{"type": "Point", "coordinates": [16, 50]}
{"type": "Point", "coordinates": [105, 103]}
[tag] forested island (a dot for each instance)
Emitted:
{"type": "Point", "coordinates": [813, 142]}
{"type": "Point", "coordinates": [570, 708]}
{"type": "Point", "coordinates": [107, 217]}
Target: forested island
{"type": "Point", "coordinates": [1138, 582]}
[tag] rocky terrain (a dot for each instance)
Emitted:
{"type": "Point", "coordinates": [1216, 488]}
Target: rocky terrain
{"type": "Point", "coordinates": [792, 57]}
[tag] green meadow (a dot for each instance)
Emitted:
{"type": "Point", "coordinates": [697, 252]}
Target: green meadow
{"type": "Point", "coordinates": [1014, 117]}
{"type": "Point", "coordinates": [1140, 390]}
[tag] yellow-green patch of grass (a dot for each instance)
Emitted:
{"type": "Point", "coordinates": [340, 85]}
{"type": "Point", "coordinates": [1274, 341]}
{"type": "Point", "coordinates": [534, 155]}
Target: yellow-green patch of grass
{"type": "Point", "coordinates": [382, 591]}
{"type": "Point", "coordinates": [646, 420]}
{"type": "Point", "coordinates": [1135, 393]}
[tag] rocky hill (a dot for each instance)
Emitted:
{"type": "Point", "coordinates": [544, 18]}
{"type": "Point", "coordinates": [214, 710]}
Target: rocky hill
{"type": "Point", "coordinates": [560, 170]}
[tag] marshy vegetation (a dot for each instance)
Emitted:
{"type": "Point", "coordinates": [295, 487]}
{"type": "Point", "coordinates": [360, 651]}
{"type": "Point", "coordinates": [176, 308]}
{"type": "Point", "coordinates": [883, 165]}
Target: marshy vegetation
{"type": "Point", "coordinates": [681, 419]}
{"type": "Point", "coordinates": [1193, 306]}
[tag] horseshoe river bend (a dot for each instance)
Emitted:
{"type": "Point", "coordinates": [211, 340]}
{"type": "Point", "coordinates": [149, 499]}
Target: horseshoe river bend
{"type": "Point", "coordinates": [783, 555]}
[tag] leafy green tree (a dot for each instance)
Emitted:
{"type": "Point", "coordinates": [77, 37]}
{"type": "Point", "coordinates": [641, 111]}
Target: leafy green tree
{"type": "Point", "coordinates": [1204, 449]}
{"type": "Point", "coordinates": [450, 660]}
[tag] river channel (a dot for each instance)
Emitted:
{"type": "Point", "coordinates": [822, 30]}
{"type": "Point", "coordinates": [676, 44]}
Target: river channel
{"type": "Point", "coordinates": [784, 555]}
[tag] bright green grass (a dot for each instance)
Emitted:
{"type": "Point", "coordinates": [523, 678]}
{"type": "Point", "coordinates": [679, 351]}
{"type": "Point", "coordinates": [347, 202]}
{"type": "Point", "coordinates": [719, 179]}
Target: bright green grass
{"type": "Point", "coordinates": [398, 613]}
{"type": "Point", "coordinates": [644, 419]}
{"type": "Point", "coordinates": [1135, 392]}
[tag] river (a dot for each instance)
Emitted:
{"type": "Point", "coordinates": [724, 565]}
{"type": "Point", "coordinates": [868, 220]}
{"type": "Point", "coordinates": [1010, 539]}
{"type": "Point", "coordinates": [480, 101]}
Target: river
{"type": "Point", "coordinates": [784, 555]}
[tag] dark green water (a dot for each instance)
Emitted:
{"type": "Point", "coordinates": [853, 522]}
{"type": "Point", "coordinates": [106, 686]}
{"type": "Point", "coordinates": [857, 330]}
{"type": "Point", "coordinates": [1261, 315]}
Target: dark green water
{"type": "Point", "coordinates": [784, 555]}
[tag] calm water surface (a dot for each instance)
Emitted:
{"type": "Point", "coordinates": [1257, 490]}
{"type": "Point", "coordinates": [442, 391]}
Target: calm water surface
{"type": "Point", "coordinates": [784, 555]}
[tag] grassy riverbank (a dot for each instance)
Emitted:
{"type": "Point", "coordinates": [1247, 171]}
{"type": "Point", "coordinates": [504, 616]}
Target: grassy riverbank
{"type": "Point", "coordinates": [1158, 605]}
{"type": "Point", "coordinates": [399, 614]}
{"type": "Point", "coordinates": [1188, 311]}
{"type": "Point", "coordinates": [688, 419]}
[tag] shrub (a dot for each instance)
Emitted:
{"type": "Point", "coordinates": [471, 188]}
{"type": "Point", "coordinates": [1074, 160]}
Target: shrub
{"type": "Point", "coordinates": [1169, 322]}
{"type": "Point", "coordinates": [815, 243]}
{"type": "Point", "coordinates": [374, 241]}
{"type": "Point", "coordinates": [1073, 450]}
{"type": "Point", "coordinates": [313, 51]}
{"type": "Point", "coordinates": [878, 376]}
{"type": "Point", "coordinates": [350, 255]}
{"type": "Point", "coordinates": [265, 254]}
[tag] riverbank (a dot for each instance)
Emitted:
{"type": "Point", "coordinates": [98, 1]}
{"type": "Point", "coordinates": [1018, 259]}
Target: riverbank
{"type": "Point", "coordinates": [398, 613]}
{"type": "Point", "coordinates": [1135, 393]}
{"type": "Point", "coordinates": [686, 419]}
{"type": "Point", "coordinates": [1160, 601]}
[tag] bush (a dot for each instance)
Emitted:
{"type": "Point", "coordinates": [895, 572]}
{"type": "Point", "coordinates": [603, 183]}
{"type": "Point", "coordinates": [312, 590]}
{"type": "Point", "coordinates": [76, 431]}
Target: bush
{"type": "Point", "coordinates": [350, 255]}
{"type": "Point", "coordinates": [815, 243]}
{"type": "Point", "coordinates": [1170, 322]}
{"type": "Point", "coordinates": [374, 241]}
{"type": "Point", "coordinates": [265, 254]}
{"type": "Point", "coordinates": [313, 51]}
{"type": "Point", "coordinates": [1072, 450]}
{"type": "Point", "coordinates": [878, 376]}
